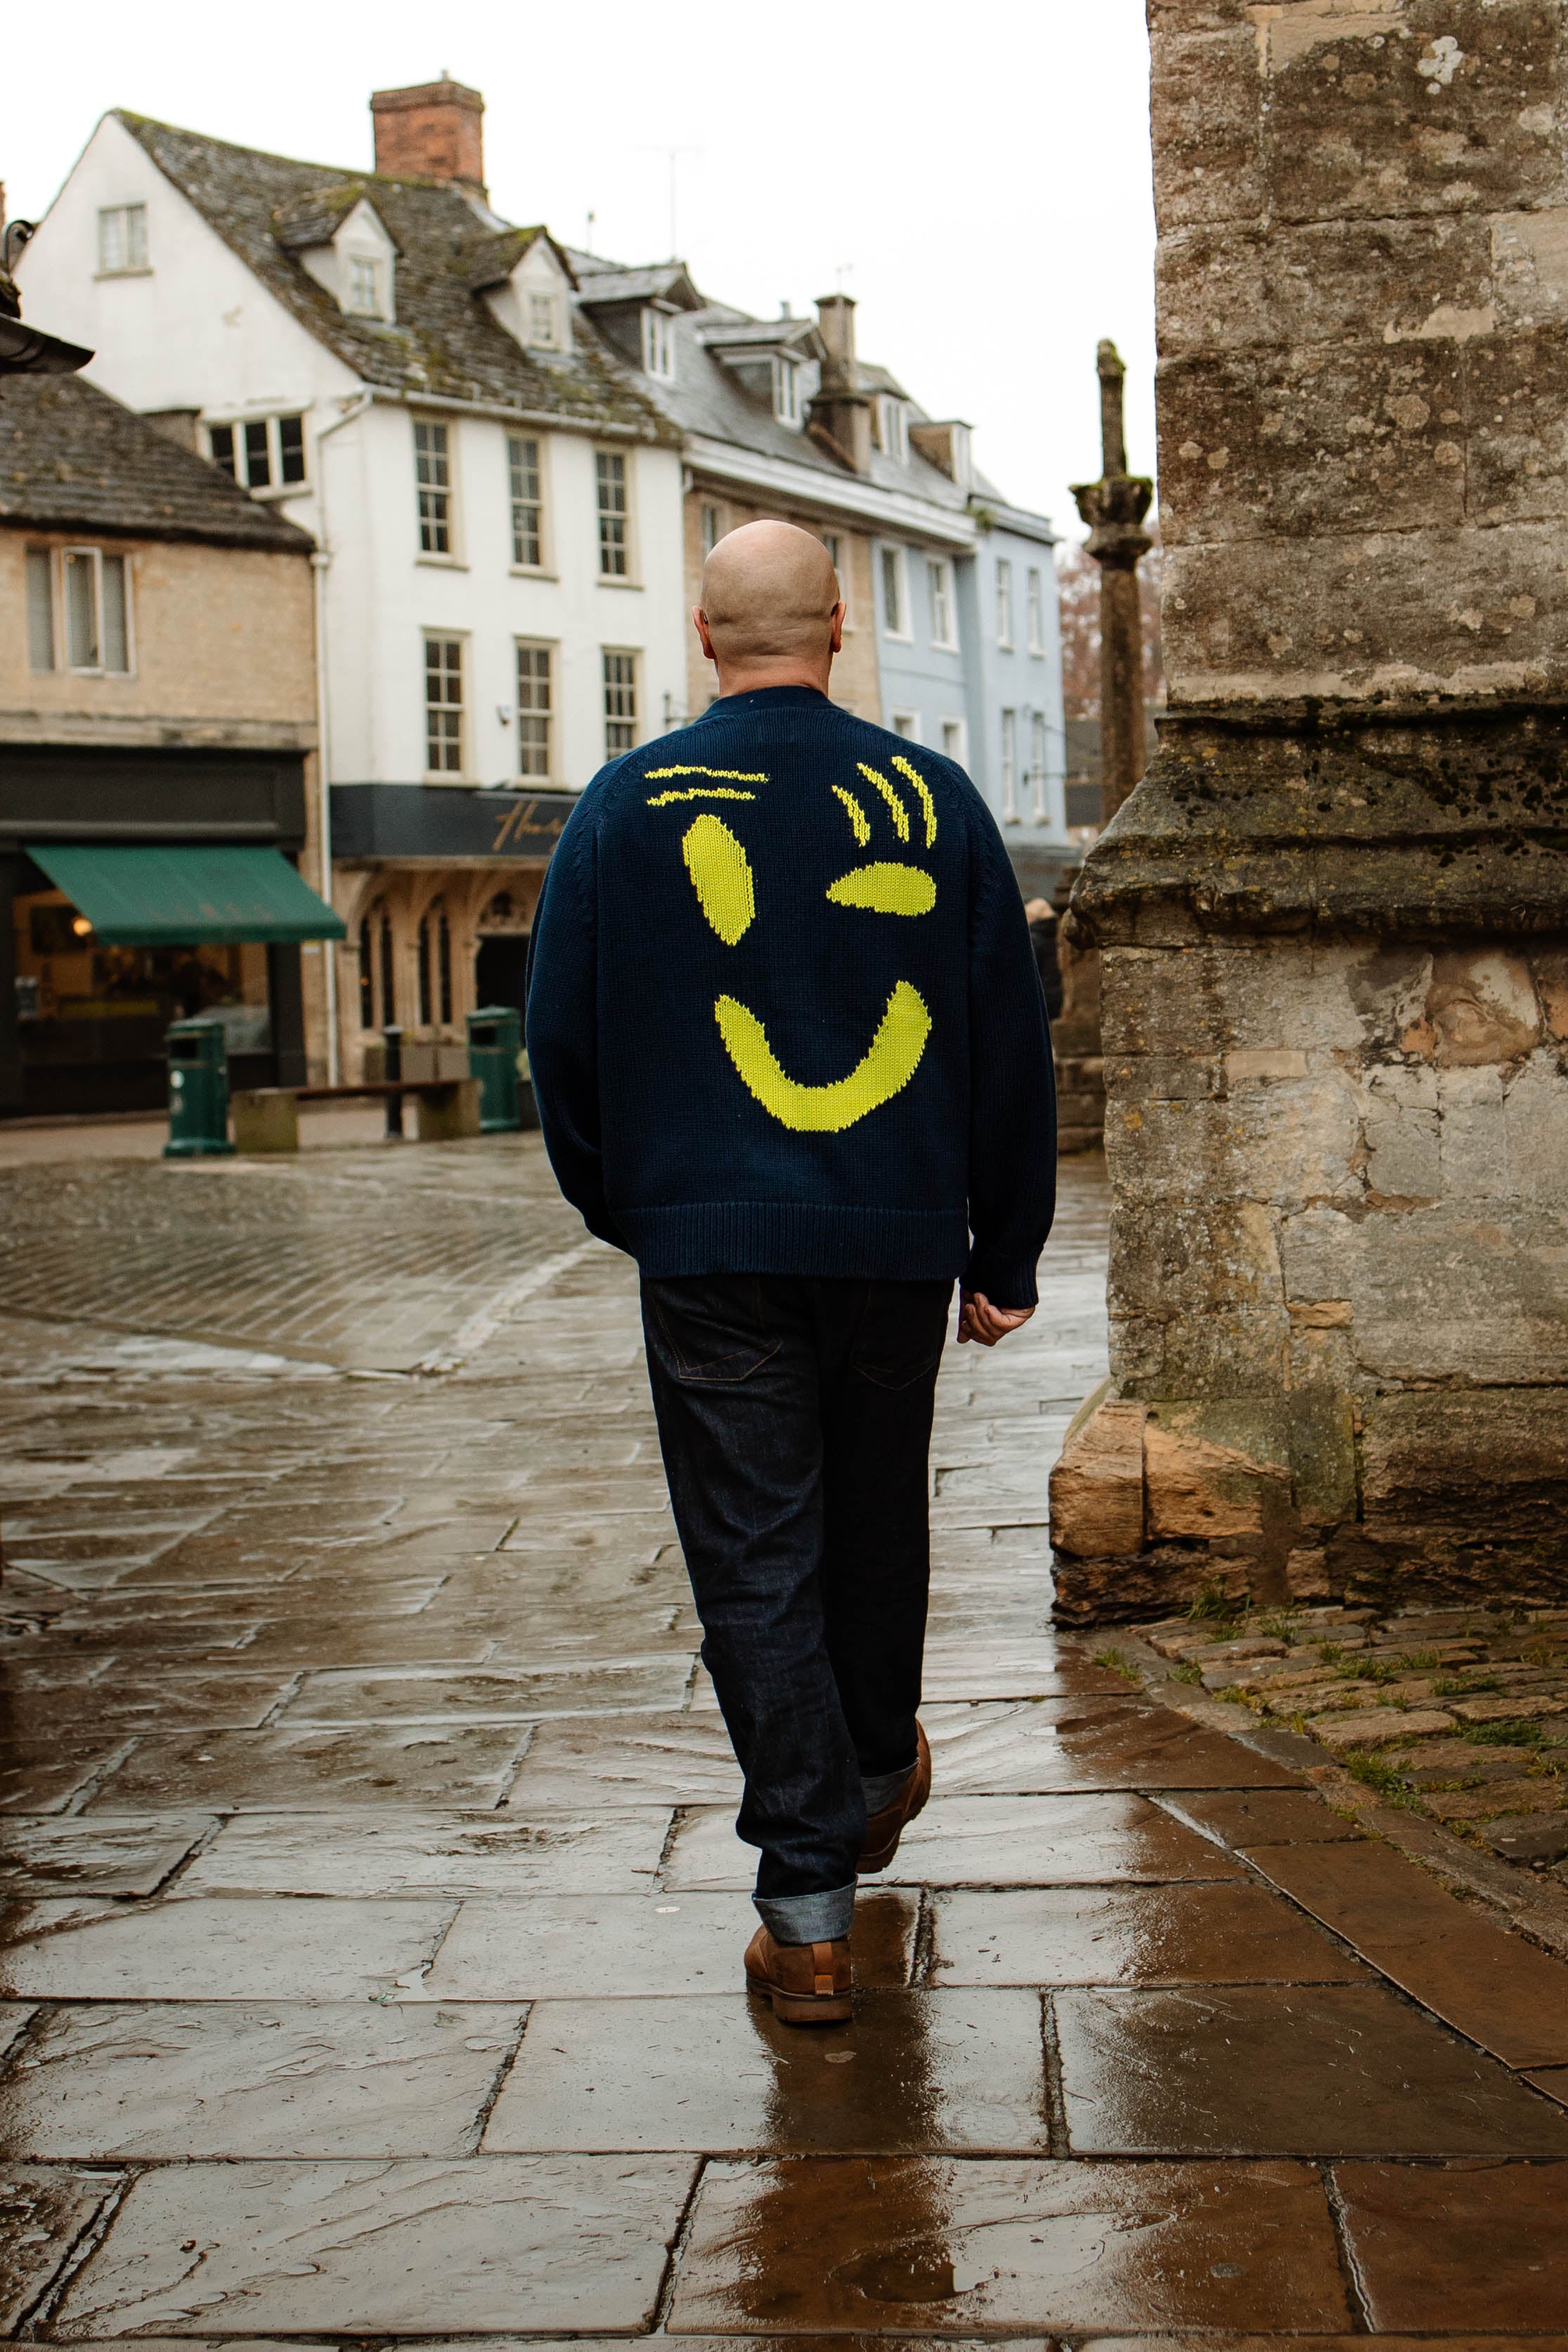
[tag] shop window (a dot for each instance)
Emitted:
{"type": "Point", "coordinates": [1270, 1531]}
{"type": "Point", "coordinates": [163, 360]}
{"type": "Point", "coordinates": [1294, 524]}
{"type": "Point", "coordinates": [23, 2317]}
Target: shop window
{"type": "Point", "coordinates": [367, 977]}
{"type": "Point", "coordinates": [388, 972]}
{"type": "Point", "coordinates": [377, 970]}
{"type": "Point", "coordinates": [435, 968]}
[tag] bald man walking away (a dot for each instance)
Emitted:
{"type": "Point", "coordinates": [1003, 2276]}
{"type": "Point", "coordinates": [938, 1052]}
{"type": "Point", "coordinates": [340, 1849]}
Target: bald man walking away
{"type": "Point", "coordinates": [790, 1052]}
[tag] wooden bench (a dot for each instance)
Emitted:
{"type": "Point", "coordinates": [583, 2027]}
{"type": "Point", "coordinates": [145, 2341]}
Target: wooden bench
{"type": "Point", "coordinates": [267, 1118]}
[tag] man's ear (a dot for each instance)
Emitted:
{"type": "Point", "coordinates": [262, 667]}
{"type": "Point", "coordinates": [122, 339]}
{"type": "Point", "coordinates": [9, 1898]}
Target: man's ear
{"type": "Point", "coordinates": [836, 640]}
{"type": "Point", "coordinates": [699, 622]}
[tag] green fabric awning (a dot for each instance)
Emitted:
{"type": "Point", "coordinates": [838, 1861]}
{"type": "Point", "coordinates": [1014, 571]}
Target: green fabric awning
{"type": "Point", "coordinates": [184, 896]}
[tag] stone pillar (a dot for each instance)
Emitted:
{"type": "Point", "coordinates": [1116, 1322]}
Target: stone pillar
{"type": "Point", "coordinates": [1333, 922]}
{"type": "Point", "coordinates": [1114, 509]}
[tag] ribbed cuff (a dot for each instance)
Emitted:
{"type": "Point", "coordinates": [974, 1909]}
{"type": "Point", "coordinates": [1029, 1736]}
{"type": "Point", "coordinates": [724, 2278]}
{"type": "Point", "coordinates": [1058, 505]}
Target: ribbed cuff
{"type": "Point", "coordinates": [807, 1919]}
{"type": "Point", "coordinates": [1008, 1283]}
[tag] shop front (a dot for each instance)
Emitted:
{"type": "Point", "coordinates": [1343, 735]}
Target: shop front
{"type": "Point", "coordinates": [139, 886]}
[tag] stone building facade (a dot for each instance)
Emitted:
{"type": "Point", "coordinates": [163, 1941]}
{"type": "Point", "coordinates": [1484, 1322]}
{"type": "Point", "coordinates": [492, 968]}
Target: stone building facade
{"type": "Point", "coordinates": [1334, 916]}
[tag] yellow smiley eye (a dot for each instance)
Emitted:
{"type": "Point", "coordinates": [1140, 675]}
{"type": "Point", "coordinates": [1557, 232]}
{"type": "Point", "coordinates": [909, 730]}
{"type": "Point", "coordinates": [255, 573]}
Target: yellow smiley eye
{"type": "Point", "coordinates": [885, 889]}
{"type": "Point", "coordinates": [722, 876]}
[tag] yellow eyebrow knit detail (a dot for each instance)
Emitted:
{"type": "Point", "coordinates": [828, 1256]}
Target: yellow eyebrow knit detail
{"type": "Point", "coordinates": [883, 1070]}
{"type": "Point", "coordinates": [722, 876]}
{"type": "Point", "coordinates": [900, 814]}
{"type": "Point", "coordinates": [857, 816]}
{"type": "Point", "coordinates": [700, 792]}
{"type": "Point", "coordinates": [924, 789]}
{"type": "Point", "coordinates": [725, 775]}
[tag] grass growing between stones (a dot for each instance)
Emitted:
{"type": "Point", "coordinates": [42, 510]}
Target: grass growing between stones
{"type": "Point", "coordinates": [1117, 1661]}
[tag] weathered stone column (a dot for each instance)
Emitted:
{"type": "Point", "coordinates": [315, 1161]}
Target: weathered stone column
{"type": "Point", "coordinates": [1334, 918]}
{"type": "Point", "coordinates": [1114, 509]}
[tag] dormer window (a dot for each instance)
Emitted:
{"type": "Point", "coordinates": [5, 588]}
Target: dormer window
{"type": "Point", "coordinates": [541, 320]}
{"type": "Point", "coordinates": [363, 287]}
{"type": "Point", "coordinates": [893, 428]}
{"type": "Point", "coordinates": [659, 344]}
{"type": "Point", "coordinates": [787, 390]}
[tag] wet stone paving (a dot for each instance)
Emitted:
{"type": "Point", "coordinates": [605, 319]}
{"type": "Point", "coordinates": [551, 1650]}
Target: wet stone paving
{"type": "Point", "coordinates": [370, 1963]}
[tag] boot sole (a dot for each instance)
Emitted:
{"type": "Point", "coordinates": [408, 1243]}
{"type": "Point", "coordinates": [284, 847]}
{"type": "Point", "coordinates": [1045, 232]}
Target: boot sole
{"type": "Point", "coordinates": [805, 2009]}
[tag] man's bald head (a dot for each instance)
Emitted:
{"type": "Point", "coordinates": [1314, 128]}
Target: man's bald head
{"type": "Point", "coordinates": [770, 593]}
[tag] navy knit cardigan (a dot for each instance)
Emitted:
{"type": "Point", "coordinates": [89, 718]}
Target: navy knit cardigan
{"type": "Point", "coordinates": [784, 1015]}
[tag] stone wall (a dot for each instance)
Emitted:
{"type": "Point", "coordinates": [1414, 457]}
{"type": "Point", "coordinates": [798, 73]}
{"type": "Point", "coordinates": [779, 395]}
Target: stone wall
{"type": "Point", "coordinates": [1334, 916]}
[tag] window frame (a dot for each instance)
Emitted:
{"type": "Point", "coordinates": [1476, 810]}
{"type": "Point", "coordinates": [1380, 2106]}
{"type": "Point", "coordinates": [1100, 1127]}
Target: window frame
{"type": "Point", "coordinates": [784, 392]}
{"type": "Point", "coordinates": [1040, 759]}
{"type": "Point", "coordinates": [272, 422]}
{"type": "Point", "coordinates": [657, 342]}
{"type": "Point", "coordinates": [893, 427]}
{"type": "Point", "coordinates": [1004, 603]}
{"type": "Point", "coordinates": [543, 568]}
{"type": "Point", "coordinates": [608, 685]}
{"type": "Point", "coordinates": [39, 563]}
{"type": "Point", "coordinates": [959, 727]}
{"type": "Point", "coordinates": [627, 576]}
{"type": "Point", "coordinates": [58, 558]}
{"type": "Point", "coordinates": [941, 595]}
{"type": "Point", "coordinates": [1008, 765]}
{"type": "Point", "coordinates": [549, 647]}
{"type": "Point", "coordinates": [708, 510]}
{"type": "Point", "coordinates": [906, 723]}
{"type": "Point", "coordinates": [376, 306]}
{"type": "Point", "coordinates": [446, 638]}
{"type": "Point", "coordinates": [901, 628]}
{"type": "Point", "coordinates": [452, 554]}
{"type": "Point", "coordinates": [528, 297]}
{"type": "Point", "coordinates": [136, 264]}
{"type": "Point", "coordinates": [1035, 609]}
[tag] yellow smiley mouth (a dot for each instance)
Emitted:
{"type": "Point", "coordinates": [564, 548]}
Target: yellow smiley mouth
{"type": "Point", "coordinates": [883, 1070]}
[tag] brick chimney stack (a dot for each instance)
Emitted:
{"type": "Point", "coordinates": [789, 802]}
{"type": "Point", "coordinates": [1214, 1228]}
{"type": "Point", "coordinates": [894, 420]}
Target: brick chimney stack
{"type": "Point", "coordinates": [432, 132]}
{"type": "Point", "coordinates": [841, 412]}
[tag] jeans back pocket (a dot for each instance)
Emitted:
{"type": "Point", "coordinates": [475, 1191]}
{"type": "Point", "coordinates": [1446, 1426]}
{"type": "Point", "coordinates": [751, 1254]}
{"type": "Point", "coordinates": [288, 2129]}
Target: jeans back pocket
{"type": "Point", "coordinates": [708, 1328]}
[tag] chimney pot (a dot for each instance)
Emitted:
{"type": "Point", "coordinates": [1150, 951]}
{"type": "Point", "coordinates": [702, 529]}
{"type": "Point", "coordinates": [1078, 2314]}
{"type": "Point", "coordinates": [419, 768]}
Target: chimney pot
{"type": "Point", "coordinates": [432, 131]}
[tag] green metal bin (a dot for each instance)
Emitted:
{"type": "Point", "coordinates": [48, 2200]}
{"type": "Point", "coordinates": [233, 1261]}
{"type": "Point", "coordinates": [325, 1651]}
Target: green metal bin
{"type": "Point", "coordinates": [496, 1059]}
{"type": "Point", "coordinates": [198, 1090]}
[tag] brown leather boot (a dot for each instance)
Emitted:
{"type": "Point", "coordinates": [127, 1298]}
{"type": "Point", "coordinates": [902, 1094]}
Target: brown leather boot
{"type": "Point", "coordinates": [884, 1830]}
{"type": "Point", "coordinates": [809, 1984]}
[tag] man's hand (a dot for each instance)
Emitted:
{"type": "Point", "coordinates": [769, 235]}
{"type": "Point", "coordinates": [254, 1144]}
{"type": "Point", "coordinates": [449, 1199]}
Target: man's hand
{"type": "Point", "coordinates": [979, 1321]}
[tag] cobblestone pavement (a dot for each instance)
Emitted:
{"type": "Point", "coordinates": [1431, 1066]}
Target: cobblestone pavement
{"type": "Point", "coordinates": [370, 1963]}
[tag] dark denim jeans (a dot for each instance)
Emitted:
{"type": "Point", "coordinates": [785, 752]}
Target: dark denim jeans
{"type": "Point", "coordinates": [794, 1417]}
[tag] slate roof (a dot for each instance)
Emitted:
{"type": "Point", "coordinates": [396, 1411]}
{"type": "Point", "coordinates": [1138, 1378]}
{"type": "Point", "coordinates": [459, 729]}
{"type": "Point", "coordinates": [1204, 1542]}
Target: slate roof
{"type": "Point", "coordinates": [444, 341]}
{"type": "Point", "coordinates": [73, 460]}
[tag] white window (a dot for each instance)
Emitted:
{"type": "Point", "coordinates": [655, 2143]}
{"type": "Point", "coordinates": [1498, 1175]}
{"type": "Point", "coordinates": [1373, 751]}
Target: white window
{"type": "Point", "coordinates": [121, 239]}
{"type": "Point", "coordinates": [709, 531]}
{"type": "Point", "coordinates": [1036, 610]}
{"type": "Point", "coordinates": [533, 712]}
{"type": "Point", "coordinates": [659, 344]}
{"type": "Point", "coordinates": [620, 702]}
{"type": "Point", "coordinates": [526, 484]}
{"type": "Point", "coordinates": [955, 740]}
{"type": "Point", "coordinates": [1010, 767]}
{"type": "Point", "coordinates": [893, 427]}
{"type": "Point", "coordinates": [86, 600]}
{"type": "Point", "coordinates": [444, 706]}
{"type": "Point", "coordinates": [1004, 602]}
{"type": "Point", "coordinates": [615, 514]}
{"type": "Point", "coordinates": [1037, 759]}
{"type": "Point", "coordinates": [364, 285]}
{"type": "Point", "coordinates": [433, 481]}
{"type": "Point", "coordinates": [542, 321]}
{"type": "Point", "coordinates": [786, 389]}
{"type": "Point", "coordinates": [907, 723]}
{"type": "Point", "coordinates": [264, 453]}
{"type": "Point", "coordinates": [895, 602]}
{"type": "Point", "coordinates": [943, 619]}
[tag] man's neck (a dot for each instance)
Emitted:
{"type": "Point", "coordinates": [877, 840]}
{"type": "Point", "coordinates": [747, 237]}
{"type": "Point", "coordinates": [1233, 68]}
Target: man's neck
{"type": "Point", "coordinates": [751, 677]}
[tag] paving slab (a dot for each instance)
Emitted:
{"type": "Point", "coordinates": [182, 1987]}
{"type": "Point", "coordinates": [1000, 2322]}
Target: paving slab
{"type": "Point", "coordinates": [102, 1854]}
{"type": "Point", "coordinates": [318, 1770]}
{"type": "Point", "coordinates": [1327, 2070]}
{"type": "Point", "coordinates": [1460, 2246]}
{"type": "Point", "coordinates": [182, 2079]}
{"type": "Point", "coordinates": [1225, 1934]}
{"type": "Point", "coordinates": [372, 1852]}
{"type": "Point", "coordinates": [1007, 1669]}
{"type": "Point", "coordinates": [990, 1842]}
{"type": "Point", "coordinates": [668, 1759]}
{"type": "Point", "coordinates": [260, 1947]}
{"type": "Point", "coordinates": [634, 1947]}
{"type": "Point", "coordinates": [15, 2020]}
{"type": "Point", "coordinates": [1044, 1745]}
{"type": "Point", "coordinates": [932, 2245]}
{"type": "Point", "coordinates": [43, 1776]}
{"type": "Point", "coordinates": [514, 1696]}
{"type": "Point", "coordinates": [959, 2070]}
{"type": "Point", "coordinates": [42, 2215]}
{"type": "Point", "coordinates": [541, 2245]}
{"type": "Point", "coordinates": [1244, 1818]}
{"type": "Point", "coordinates": [1495, 1988]}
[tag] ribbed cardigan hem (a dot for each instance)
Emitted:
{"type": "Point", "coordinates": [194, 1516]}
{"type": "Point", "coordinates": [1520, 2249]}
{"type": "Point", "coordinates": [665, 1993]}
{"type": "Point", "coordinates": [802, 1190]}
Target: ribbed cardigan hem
{"type": "Point", "coordinates": [803, 1237]}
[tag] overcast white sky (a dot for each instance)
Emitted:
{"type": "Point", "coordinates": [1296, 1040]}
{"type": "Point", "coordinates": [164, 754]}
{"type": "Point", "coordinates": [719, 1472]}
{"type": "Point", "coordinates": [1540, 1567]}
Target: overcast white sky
{"type": "Point", "coordinates": [977, 178]}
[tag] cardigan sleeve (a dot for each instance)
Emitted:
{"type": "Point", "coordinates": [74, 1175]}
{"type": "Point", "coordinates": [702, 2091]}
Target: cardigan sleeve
{"type": "Point", "coordinates": [564, 1024]}
{"type": "Point", "coordinates": [1013, 1104]}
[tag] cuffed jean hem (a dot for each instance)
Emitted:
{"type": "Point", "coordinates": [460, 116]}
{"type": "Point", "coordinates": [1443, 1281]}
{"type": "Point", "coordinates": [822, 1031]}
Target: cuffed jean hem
{"type": "Point", "coordinates": [807, 1919]}
{"type": "Point", "coordinates": [882, 1788]}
